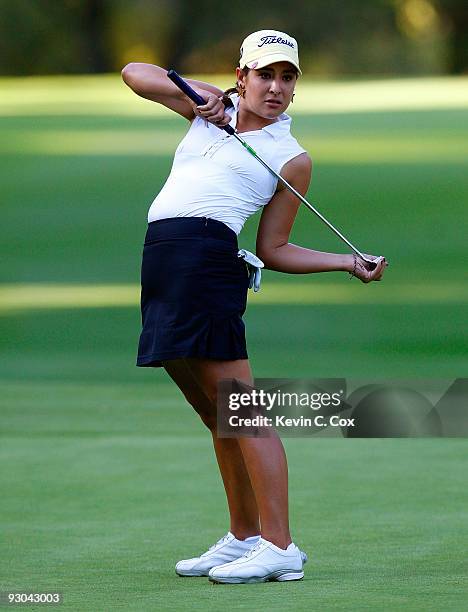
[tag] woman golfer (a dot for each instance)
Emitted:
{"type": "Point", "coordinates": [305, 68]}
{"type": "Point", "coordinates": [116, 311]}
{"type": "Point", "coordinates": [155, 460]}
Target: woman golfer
{"type": "Point", "coordinates": [194, 284]}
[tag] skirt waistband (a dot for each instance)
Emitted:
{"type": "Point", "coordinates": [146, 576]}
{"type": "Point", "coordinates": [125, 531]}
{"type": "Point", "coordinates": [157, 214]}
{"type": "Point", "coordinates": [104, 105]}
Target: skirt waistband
{"type": "Point", "coordinates": [177, 227]}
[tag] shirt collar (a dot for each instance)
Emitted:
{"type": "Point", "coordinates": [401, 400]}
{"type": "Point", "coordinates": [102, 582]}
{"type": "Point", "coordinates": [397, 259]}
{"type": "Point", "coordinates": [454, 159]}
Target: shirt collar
{"type": "Point", "coordinates": [277, 130]}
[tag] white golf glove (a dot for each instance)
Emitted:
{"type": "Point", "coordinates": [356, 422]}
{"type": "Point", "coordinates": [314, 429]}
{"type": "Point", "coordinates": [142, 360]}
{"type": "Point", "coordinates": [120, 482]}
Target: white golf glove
{"type": "Point", "coordinates": [254, 265]}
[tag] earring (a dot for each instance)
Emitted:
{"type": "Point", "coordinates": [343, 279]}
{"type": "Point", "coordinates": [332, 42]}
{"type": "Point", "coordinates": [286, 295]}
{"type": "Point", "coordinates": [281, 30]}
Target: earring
{"type": "Point", "coordinates": [292, 99]}
{"type": "Point", "coordinates": [241, 90]}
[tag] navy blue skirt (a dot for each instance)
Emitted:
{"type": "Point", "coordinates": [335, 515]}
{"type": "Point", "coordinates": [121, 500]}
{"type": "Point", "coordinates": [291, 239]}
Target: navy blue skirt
{"type": "Point", "coordinates": [193, 292]}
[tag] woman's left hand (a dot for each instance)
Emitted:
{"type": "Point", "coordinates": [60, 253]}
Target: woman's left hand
{"type": "Point", "coordinates": [362, 269]}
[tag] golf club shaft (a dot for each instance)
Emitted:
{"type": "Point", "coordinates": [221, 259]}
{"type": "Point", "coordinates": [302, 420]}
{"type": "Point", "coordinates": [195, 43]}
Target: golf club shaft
{"type": "Point", "coordinates": [189, 92]}
{"type": "Point", "coordinates": [300, 197]}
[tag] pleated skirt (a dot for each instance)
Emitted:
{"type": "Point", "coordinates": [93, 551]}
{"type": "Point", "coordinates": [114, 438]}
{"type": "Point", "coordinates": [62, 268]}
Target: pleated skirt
{"type": "Point", "coordinates": [193, 292]}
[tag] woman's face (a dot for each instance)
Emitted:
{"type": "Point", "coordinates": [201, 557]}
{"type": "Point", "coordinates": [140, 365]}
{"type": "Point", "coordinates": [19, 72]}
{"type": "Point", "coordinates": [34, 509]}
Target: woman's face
{"type": "Point", "coordinates": [269, 90]}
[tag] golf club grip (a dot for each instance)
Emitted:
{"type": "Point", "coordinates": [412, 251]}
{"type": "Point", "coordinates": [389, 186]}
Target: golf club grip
{"type": "Point", "coordinates": [190, 93]}
{"type": "Point", "coordinates": [185, 87]}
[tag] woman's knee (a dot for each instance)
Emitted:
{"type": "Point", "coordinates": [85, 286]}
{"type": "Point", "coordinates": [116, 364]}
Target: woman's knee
{"type": "Point", "coordinates": [202, 402]}
{"type": "Point", "coordinates": [209, 420]}
{"type": "Point", "coordinates": [204, 407]}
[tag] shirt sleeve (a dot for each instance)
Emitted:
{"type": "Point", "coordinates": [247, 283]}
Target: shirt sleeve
{"type": "Point", "coordinates": [287, 150]}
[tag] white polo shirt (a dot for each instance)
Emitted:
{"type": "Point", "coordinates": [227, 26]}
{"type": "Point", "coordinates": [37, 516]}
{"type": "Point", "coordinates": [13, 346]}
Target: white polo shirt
{"type": "Point", "coordinates": [214, 176]}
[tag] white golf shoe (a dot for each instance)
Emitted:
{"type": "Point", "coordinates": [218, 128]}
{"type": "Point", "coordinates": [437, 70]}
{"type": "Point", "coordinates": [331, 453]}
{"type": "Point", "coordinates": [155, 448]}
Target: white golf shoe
{"type": "Point", "coordinates": [226, 549]}
{"type": "Point", "coordinates": [263, 562]}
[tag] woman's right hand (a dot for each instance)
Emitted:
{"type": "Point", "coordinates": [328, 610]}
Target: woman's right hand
{"type": "Point", "coordinates": [213, 111]}
{"type": "Point", "coordinates": [361, 269]}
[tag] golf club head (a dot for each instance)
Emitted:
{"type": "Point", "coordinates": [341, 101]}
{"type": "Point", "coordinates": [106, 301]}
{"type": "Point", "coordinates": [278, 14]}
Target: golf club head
{"type": "Point", "coordinates": [370, 263]}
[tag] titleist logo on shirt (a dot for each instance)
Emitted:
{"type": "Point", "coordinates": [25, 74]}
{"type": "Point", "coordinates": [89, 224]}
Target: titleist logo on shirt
{"type": "Point", "coordinates": [268, 40]}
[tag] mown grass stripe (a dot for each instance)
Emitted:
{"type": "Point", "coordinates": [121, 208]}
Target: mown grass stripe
{"type": "Point", "coordinates": [345, 149]}
{"type": "Point", "coordinates": [107, 95]}
{"type": "Point", "coordinates": [39, 296]}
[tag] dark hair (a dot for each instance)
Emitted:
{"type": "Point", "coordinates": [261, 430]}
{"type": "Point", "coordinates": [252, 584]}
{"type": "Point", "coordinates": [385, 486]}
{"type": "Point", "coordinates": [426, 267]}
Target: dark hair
{"type": "Point", "coordinates": [226, 100]}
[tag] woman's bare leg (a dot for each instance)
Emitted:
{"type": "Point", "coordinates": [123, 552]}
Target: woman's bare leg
{"type": "Point", "coordinates": [244, 515]}
{"type": "Point", "coordinates": [267, 467]}
{"type": "Point", "coordinates": [264, 458]}
{"type": "Point", "coordinates": [241, 500]}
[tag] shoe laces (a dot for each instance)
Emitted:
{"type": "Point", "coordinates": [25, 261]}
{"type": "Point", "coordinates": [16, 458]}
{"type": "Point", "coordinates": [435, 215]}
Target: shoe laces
{"type": "Point", "coordinates": [254, 548]}
{"type": "Point", "coordinates": [220, 541]}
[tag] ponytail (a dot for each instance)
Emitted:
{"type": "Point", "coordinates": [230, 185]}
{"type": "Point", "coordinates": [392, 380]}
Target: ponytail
{"type": "Point", "coordinates": [226, 100]}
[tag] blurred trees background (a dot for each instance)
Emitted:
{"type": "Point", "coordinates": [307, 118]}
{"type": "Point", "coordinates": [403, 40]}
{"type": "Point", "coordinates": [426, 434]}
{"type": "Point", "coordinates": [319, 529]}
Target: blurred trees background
{"type": "Point", "coordinates": [336, 37]}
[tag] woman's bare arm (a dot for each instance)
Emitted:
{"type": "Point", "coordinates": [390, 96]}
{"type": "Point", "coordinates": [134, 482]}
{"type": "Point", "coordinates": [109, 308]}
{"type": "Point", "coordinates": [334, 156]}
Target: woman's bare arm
{"type": "Point", "coordinates": [151, 82]}
{"type": "Point", "coordinates": [275, 227]}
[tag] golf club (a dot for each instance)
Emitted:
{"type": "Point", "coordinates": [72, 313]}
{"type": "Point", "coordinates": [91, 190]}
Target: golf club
{"type": "Point", "coordinates": [188, 91]}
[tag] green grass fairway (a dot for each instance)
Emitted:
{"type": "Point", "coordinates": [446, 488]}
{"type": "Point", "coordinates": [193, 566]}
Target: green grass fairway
{"type": "Point", "coordinates": [107, 477]}
{"type": "Point", "coordinates": [109, 485]}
